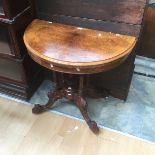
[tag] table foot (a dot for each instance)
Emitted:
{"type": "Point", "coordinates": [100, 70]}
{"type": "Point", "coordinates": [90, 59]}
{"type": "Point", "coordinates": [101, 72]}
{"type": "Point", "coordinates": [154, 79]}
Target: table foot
{"type": "Point", "coordinates": [93, 126]}
{"type": "Point", "coordinates": [38, 109]}
{"type": "Point", "coordinates": [82, 105]}
{"type": "Point", "coordinates": [53, 97]}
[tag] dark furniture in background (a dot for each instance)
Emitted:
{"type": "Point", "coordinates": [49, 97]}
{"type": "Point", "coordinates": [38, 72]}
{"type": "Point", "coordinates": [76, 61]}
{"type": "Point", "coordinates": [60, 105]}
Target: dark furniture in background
{"type": "Point", "coordinates": [147, 42]}
{"type": "Point", "coordinates": [123, 17]}
{"type": "Point", "coordinates": [18, 73]}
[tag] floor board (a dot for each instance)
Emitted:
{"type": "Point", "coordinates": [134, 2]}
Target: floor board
{"type": "Point", "coordinates": [22, 133]}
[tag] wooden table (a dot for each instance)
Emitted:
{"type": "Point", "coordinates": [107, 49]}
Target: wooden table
{"type": "Point", "coordinates": [74, 50]}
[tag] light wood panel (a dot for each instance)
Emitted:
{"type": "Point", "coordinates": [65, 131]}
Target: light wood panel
{"type": "Point", "coordinates": [22, 133]}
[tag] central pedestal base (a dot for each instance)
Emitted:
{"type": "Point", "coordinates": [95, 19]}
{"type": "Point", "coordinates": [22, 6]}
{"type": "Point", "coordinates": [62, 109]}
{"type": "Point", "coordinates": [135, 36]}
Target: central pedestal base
{"type": "Point", "coordinates": [72, 93]}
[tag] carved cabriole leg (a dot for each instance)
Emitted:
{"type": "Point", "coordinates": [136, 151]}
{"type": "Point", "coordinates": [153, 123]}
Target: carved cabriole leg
{"type": "Point", "coordinates": [53, 96]}
{"type": "Point", "coordinates": [82, 105]}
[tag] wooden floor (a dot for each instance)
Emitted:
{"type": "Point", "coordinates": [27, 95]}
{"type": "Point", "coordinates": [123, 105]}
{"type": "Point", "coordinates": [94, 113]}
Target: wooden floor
{"type": "Point", "coordinates": [22, 133]}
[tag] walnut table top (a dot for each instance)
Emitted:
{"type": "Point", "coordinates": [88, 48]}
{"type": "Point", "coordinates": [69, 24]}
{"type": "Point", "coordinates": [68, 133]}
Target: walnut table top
{"type": "Point", "coordinates": [76, 50]}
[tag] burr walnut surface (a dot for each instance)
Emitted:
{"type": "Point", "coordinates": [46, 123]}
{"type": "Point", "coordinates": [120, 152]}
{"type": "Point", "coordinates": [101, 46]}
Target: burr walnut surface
{"type": "Point", "coordinates": [76, 50]}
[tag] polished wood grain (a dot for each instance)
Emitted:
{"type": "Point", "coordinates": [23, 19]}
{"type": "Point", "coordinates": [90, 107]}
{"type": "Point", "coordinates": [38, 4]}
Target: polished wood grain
{"type": "Point", "coordinates": [73, 49]}
{"type": "Point", "coordinates": [107, 26]}
{"type": "Point", "coordinates": [22, 133]}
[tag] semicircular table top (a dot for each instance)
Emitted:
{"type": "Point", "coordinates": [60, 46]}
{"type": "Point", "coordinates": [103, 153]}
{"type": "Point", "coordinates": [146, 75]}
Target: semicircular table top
{"type": "Point", "coordinates": [68, 46]}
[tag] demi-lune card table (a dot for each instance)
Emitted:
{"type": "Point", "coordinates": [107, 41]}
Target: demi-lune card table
{"type": "Point", "coordinates": [70, 50]}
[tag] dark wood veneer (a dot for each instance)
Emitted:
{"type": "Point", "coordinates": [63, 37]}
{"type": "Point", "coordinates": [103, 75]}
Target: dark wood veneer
{"type": "Point", "coordinates": [18, 73]}
{"type": "Point", "coordinates": [128, 11]}
{"type": "Point", "coordinates": [15, 33]}
{"type": "Point", "coordinates": [16, 77]}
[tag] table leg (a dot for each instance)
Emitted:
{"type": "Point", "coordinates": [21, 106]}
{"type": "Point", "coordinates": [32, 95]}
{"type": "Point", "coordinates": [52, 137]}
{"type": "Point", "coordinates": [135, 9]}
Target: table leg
{"type": "Point", "coordinates": [82, 105]}
{"type": "Point", "coordinates": [53, 96]}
